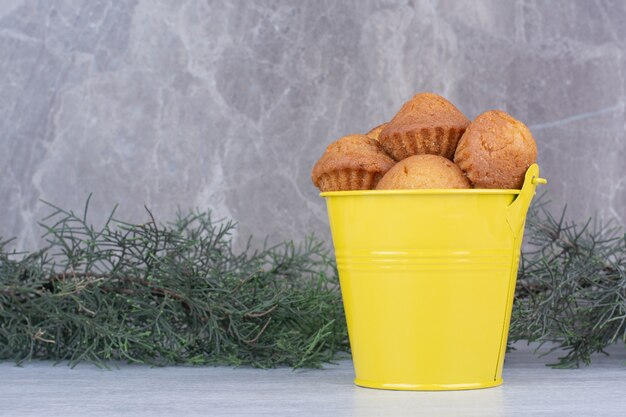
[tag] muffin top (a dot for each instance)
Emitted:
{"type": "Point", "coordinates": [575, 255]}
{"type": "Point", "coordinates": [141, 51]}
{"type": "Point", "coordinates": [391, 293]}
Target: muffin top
{"type": "Point", "coordinates": [354, 153]}
{"type": "Point", "coordinates": [425, 110]}
{"type": "Point", "coordinates": [423, 172]}
{"type": "Point", "coordinates": [496, 150]}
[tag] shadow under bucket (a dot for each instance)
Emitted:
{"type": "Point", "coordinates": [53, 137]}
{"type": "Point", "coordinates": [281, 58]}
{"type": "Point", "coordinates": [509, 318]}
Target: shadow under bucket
{"type": "Point", "coordinates": [427, 279]}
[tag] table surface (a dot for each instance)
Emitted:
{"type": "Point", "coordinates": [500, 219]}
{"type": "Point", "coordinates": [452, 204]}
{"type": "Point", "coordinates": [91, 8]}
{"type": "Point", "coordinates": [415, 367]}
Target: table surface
{"type": "Point", "coordinates": [530, 389]}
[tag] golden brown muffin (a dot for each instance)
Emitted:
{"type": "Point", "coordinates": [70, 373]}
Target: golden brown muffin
{"type": "Point", "coordinates": [426, 124]}
{"type": "Point", "coordinates": [375, 132]}
{"type": "Point", "coordinates": [423, 171]}
{"type": "Point", "coordinates": [354, 162]}
{"type": "Point", "coordinates": [496, 150]}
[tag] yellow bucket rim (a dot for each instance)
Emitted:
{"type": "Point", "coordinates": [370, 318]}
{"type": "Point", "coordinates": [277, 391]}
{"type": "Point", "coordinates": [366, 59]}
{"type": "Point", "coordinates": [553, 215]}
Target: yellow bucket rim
{"type": "Point", "coordinates": [460, 191]}
{"type": "Point", "coordinates": [531, 180]}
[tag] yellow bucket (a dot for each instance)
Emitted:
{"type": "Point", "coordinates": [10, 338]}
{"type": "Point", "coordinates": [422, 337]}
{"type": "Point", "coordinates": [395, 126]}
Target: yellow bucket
{"type": "Point", "coordinates": [427, 279]}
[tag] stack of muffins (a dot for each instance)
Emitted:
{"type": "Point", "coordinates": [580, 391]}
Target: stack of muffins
{"type": "Point", "coordinates": [430, 144]}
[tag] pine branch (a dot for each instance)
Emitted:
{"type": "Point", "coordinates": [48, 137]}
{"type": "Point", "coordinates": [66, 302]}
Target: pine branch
{"type": "Point", "coordinates": [167, 294]}
{"type": "Point", "coordinates": [571, 288]}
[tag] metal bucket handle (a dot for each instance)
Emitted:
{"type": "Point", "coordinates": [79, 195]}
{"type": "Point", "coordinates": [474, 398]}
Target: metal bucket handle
{"type": "Point", "coordinates": [516, 211]}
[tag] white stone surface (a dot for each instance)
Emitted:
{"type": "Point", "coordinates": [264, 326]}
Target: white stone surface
{"type": "Point", "coordinates": [530, 389]}
{"type": "Point", "coordinates": [227, 104]}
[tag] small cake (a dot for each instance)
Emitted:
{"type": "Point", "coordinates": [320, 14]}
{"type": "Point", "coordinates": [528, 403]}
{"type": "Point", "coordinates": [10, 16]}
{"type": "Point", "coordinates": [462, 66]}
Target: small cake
{"type": "Point", "coordinates": [426, 124]}
{"type": "Point", "coordinates": [423, 171]}
{"type": "Point", "coordinates": [375, 132]}
{"type": "Point", "coordinates": [354, 162]}
{"type": "Point", "coordinates": [495, 151]}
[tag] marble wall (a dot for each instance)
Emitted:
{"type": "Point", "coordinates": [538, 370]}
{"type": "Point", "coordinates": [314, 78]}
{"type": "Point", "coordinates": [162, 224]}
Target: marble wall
{"type": "Point", "coordinates": [227, 104]}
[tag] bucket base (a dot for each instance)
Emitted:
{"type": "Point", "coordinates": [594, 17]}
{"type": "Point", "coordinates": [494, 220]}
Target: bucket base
{"type": "Point", "coordinates": [428, 387]}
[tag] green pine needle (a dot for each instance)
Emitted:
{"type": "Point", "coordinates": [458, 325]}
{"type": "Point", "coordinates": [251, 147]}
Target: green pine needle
{"type": "Point", "coordinates": [168, 294]}
{"type": "Point", "coordinates": [571, 288]}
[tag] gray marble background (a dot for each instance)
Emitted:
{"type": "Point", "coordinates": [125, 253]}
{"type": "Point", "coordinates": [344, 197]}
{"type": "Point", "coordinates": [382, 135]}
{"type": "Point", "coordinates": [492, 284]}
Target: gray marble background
{"type": "Point", "coordinates": [227, 104]}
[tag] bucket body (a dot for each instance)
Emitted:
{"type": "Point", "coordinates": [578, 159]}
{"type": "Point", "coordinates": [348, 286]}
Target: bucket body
{"type": "Point", "coordinates": [427, 279]}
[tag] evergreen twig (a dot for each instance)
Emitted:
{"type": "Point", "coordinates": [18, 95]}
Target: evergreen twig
{"type": "Point", "coordinates": [167, 294]}
{"type": "Point", "coordinates": [571, 288]}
